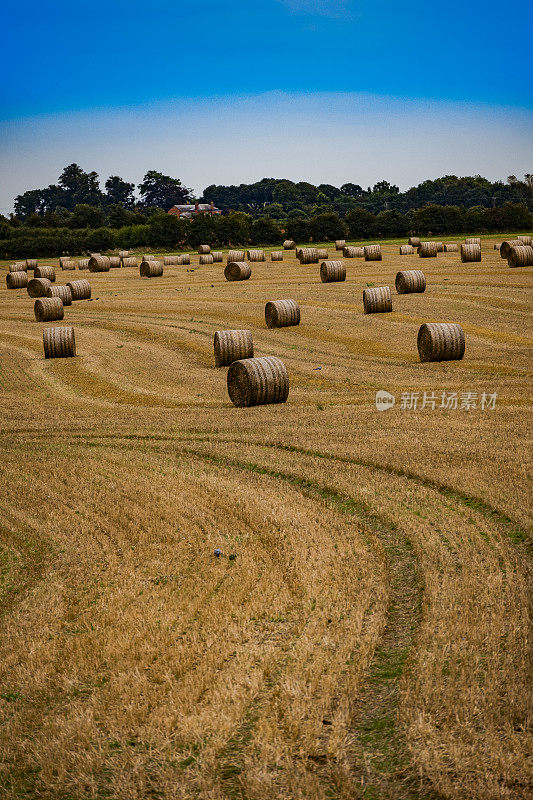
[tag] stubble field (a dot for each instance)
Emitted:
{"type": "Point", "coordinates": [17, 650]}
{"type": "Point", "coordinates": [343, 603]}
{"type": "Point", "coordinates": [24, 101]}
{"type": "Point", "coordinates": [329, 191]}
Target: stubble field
{"type": "Point", "coordinates": [371, 635]}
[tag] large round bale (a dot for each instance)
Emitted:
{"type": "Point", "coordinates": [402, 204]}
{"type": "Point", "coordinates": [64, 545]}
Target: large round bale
{"type": "Point", "coordinates": [440, 247]}
{"type": "Point", "coordinates": [59, 342]}
{"type": "Point", "coordinates": [256, 255]}
{"type": "Point", "coordinates": [218, 256]}
{"type": "Point", "coordinates": [184, 258]}
{"type": "Point", "coordinates": [508, 243]}
{"type": "Point", "coordinates": [47, 309]}
{"type": "Point", "coordinates": [441, 341]}
{"type": "Point", "coordinates": [123, 254]}
{"type": "Point", "coordinates": [204, 250]}
{"type": "Point", "coordinates": [372, 252]}
{"type": "Point", "coordinates": [63, 260]}
{"type": "Point", "coordinates": [520, 256]}
{"type": "Point", "coordinates": [130, 261]}
{"type": "Point", "coordinates": [526, 239]}
{"type": "Point", "coordinates": [148, 257]}
{"type": "Point", "coordinates": [22, 266]}
{"type": "Point", "coordinates": [83, 263]}
{"type": "Point", "coordinates": [17, 280]}
{"type": "Point", "coordinates": [322, 253]}
{"type": "Point", "coordinates": [63, 292]}
{"type": "Point", "coordinates": [282, 313]}
{"type": "Point", "coordinates": [297, 251]}
{"type": "Point", "coordinates": [69, 265]}
{"type": "Point", "coordinates": [332, 271]}
{"type": "Point", "coordinates": [237, 271]}
{"type": "Point", "coordinates": [99, 264]}
{"type": "Point", "coordinates": [80, 290]}
{"type": "Point", "coordinates": [406, 250]}
{"type": "Point", "coordinates": [38, 287]}
{"type": "Point", "coordinates": [258, 381]}
{"type": "Point", "coordinates": [276, 255]}
{"type": "Point", "coordinates": [151, 269]}
{"type": "Point", "coordinates": [377, 300]}
{"type": "Point", "coordinates": [307, 255]}
{"type": "Point", "coordinates": [171, 261]}
{"type": "Point", "coordinates": [410, 281]}
{"type": "Point", "coordinates": [115, 262]}
{"type": "Point", "coordinates": [18, 267]}
{"type": "Point", "coordinates": [340, 244]}
{"type": "Point", "coordinates": [232, 346]}
{"type": "Point", "coordinates": [289, 244]}
{"type": "Point", "coordinates": [470, 252]}
{"type": "Point", "coordinates": [31, 263]}
{"type": "Point", "coordinates": [236, 255]}
{"type": "Point", "coordinates": [451, 247]}
{"type": "Point", "coordinates": [473, 240]}
{"type": "Point", "coordinates": [206, 259]}
{"type": "Point", "coordinates": [427, 250]}
{"type": "Point", "coordinates": [414, 241]}
{"type": "Point", "coordinates": [348, 251]}
{"type": "Point", "coordinates": [45, 272]}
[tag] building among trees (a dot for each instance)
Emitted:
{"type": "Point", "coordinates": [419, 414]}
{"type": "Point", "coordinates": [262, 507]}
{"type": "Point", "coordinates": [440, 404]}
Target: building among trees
{"type": "Point", "coordinates": [189, 211]}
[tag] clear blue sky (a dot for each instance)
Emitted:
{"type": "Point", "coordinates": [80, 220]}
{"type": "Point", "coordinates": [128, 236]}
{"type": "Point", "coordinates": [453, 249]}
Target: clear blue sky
{"type": "Point", "coordinates": [94, 66]}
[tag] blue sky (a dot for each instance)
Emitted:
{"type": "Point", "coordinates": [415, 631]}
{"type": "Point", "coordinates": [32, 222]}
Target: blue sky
{"type": "Point", "coordinates": [87, 63]}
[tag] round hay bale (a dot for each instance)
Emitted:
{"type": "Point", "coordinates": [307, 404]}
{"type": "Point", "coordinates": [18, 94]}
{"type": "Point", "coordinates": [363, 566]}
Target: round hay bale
{"type": "Point", "coordinates": [31, 263]}
{"type": "Point", "coordinates": [59, 342]}
{"type": "Point", "coordinates": [38, 287]}
{"type": "Point", "coordinates": [206, 259]}
{"type": "Point", "coordinates": [372, 252]}
{"type": "Point", "coordinates": [258, 381]}
{"type": "Point", "coordinates": [410, 281]}
{"type": "Point", "coordinates": [130, 261]}
{"type": "Point", "coordinates": [232, 346]}
{"type": "Point", "coordinates": [377, 300]}
{"type": "Point", "coordinates": [407, 250]}
{"type": "Point", "coordinates": [47, 309]}
{"type": "Point", "coordinates": [473, 240]}
{"type": "Point", "coordinates": [237, 271]}
{"type": "Point", "coordinates": [235, 256]}
{"type": "Point", "coordinates": [99, 264]}
{"type": "Point", "coordinates": [276, 255]}
{"type": "Point", "coordinates": [17, 280]}
{"type": "Point", "coordinates": [451, 247]}
{"type": "Point", "coordinates": [171, 261]}
{"type": "Point", "coordinates": [526, 239]}
{"type": "Point", "coordinates": [204, 250]}
{"type": "Point", "coordinates": [506, 244]}
{"type": "Point", "coordinates": [83, 263]}
{"type": "Point", "coordinates": [322, 253]}
{"type": "Point", "coordinates": [63, 292]}
{"type": "Point", "coordinates": [297, 252]}
{"type": "Point", "coordinates": [67, 264]}
{"type": "Point", "coordinates": [441, 341]}
{"type": "Point", "coordinates": [80, 290]}
{"type": "Point", "coordinates": [332, 271]}
{"type": "Point", "coordinates": [289, 244]}
{"type": "Point", "coordinates": [62, 260]}
{"type": "Point", "coordinates": [148, 258]}
{"type": "Point", "coordinates": [123, 254]}
{"type": "Point", "coordinates": [470, 252]}
{"type": "Point", "coordinates": [440, 247]}
{"type": "Point", "coordinates": [307, 255]}
{"type": "Point", "coordinates": [256, 255]}
{"type": "Point", "coordinates": [427, 250]}
{"type": "Point", "coordinates": [282, 313]}
{"type": "Point", "coordinates": [340, 244]}
{"type": "Point", "coordinates": [218, 256]}
{"type": "Point", "coordinates": [184, 258]}
{"type": "Point", "coordinates": [17, 267]}
{"type": "Point", "coordinates": [414, 241]}
{"type": "Point", "coordinates": [520, 256]}
{"type": "Point", "coordinates": [93, 255]}
{"type": "Point", "coordinates": [349, 251]}
{"type": "Point", "coordinates": [45, 272]}
{"type": "Point", "coordinates": [115, 262]}
{"type": "Point", "coordinates": [151, 269]}
{"type": "Point", "coordinates": [22, 266]}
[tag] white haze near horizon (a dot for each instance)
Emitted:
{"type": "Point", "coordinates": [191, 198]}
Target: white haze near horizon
{"type": "Point", "coordinates": [317, 137]}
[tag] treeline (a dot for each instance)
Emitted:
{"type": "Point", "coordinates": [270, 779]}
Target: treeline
{"type": "Point", "coordinates": [165, 232]}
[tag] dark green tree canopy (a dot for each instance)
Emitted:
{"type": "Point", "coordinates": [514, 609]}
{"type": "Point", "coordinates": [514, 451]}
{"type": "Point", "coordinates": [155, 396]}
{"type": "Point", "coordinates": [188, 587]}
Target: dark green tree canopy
{"type": "Point", "coordinates": [162, 191]}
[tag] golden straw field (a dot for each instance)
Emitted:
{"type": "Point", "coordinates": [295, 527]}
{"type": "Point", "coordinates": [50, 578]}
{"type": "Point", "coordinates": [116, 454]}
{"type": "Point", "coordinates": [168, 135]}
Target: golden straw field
{"type": "Point", "coordinates": [370, 636]}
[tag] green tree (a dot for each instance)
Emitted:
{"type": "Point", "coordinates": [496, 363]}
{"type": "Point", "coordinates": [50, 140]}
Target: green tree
{"type": "Point", "coordinates": [361, 224]}
{"type": "Point", "coordinates": [87, 216]}
{"type": "Point", "coordinates": [265, 231]}
{"type": "Point", "coordinates": [326, 227]}
{"type": "Point", "coordinates": [162, 191]}
{"type": "Point", "coordinates": [119, 192]}
{"type": "Point", "coordinates": [298, 229]}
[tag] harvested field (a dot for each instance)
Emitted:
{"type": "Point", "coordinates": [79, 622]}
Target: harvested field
{"type": "Point", "coordinates": [369, 637]}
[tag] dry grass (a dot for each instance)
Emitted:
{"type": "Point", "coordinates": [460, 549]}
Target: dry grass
{"type": "Point", "coordinates": [369, 640]}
